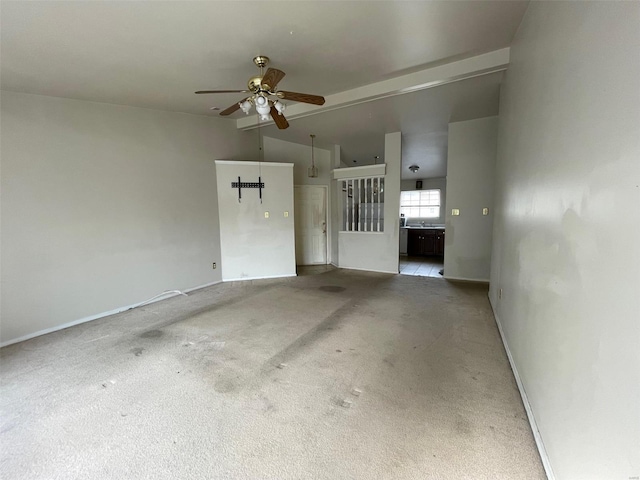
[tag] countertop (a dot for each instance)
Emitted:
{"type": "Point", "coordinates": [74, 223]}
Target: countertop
{"type": "Point", "coordinates": [423, 228]}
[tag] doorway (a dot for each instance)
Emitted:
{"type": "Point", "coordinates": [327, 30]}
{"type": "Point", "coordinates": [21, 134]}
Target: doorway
{"type": "Point", "coordinates": [310, 203]}
{"type": "Point", "coordinates": [422, 266]}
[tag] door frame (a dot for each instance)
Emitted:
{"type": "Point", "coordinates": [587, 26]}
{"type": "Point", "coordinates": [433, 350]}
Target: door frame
{"type": "Point", "coordinates": [328, 219]}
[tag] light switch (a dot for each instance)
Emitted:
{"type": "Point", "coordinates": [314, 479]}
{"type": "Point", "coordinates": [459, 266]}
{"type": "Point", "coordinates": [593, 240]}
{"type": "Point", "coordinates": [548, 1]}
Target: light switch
{"type": "Point", "coordinates": [485, 211]}
{"type": "Point", "coordinates": [455, 212]}
{"type": "Point", "coordinates": [266, 214]}
{"type": "Point", "coordinates": [286, 214]}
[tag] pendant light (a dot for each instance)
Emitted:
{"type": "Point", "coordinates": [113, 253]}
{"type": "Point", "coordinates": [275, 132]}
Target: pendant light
{"type": "Point", "coordinates": [313, 170]}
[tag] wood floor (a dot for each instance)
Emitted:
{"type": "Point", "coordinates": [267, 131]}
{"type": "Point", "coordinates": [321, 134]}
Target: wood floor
{"type": "Point", "coordinates": [421, 266]}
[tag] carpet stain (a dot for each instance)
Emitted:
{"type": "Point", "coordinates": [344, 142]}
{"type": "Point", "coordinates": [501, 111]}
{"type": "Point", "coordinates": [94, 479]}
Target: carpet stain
{"type": "Point", "coordinates": [225, 385]}
{"type": "Point", "coordinates": [332, 288]}
{"type": "Point", "coordinates": [137, 351]}
{"type": "Point", "coordinates": [208, 309]}
{"type": "Point", "coordinates": [463, 426]}
{"type": "Point", "coordinates": [267, 405]}
{"type": "Point", "coordinates": [152, 334]}
{"type": "Point", "coordinates": [303, 342]}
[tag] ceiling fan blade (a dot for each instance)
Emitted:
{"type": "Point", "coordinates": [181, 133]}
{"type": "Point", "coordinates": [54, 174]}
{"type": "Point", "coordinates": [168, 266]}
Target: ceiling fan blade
{"type": "Point", "coordinates": [272, 78]}
{"type": "Point", "coordinates": [301, 97]}
{"type": "Point", "coordinates": [199, 92]}
{"type": "Point", "coordinates": [281, 122]}
{"type": "Point", "coordinates": [231, 109]}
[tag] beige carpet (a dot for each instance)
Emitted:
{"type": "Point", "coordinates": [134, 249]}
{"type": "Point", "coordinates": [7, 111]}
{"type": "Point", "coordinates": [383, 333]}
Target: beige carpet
{"type": "Point", "coordinates": [340, 375]}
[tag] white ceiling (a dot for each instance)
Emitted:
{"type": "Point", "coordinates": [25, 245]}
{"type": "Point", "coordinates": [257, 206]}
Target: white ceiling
{"type": "Point", "coordinates": [156, 54]}
{"type": "Point", "coordinates": [422, 117]}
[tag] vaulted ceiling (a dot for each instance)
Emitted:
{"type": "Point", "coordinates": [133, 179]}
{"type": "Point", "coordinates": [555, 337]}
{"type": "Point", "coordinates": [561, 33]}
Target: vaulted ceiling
{"type": "Point", "coordinates": [156, 54]}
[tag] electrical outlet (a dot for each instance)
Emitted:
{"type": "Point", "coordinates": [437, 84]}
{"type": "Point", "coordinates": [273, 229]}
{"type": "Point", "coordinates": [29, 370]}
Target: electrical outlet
{"type": "Point", "coordinates": [214, 265]}
{"type": "Point", "coordinates": [485, 211]}
{"type": "Point", "coordinates": [266, 214]}
{"type": "Point", "coordinates": [455, 212]}
{"type": "Point", "coordinates": [286, 214]}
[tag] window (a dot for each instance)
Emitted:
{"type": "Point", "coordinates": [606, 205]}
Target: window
{"type": "Point", "coordinates": [363, 204]}
{"type": "Point", "coordinates": [420, 203]}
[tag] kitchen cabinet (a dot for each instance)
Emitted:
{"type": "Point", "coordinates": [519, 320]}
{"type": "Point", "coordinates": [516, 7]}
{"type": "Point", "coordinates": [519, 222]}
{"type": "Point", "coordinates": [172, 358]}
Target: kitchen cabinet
{"type": "Point", "coordinates": [425, 241]}
{"type": "Point", "coordinates": [421, 242]}
{"type": "Point", "coordinates": [439, 242]}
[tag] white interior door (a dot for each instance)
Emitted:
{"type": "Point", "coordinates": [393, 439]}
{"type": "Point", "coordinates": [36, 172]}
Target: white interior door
{"type": "Point", "coordinates": [311, 224]}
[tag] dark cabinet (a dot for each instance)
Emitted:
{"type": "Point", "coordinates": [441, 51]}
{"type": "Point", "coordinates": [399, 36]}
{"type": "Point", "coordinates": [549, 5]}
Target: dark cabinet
{"type": "Point", "coordinates": [424, 241]}
{"type": "Point", "coordinates": [439, 242]}
{"type": "Point", "coordinates": [414, 243]}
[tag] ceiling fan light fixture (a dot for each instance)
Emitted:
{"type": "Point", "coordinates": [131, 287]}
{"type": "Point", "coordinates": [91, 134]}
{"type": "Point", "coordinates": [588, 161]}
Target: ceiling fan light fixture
{"type": "Point", "coordinates": [262, 107]}
{"type": "Point", "coordinates": [280, 107]}
{"type": "Point", "coordinates": [263, 110]}
{"type": "Point", "coordinates": [414, 168]}
{"type": "Point", "coordinates": [246, 106]}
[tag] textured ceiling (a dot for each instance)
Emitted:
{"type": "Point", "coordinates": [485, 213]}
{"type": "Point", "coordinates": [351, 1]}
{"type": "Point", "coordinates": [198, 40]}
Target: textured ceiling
{"type": "Point", "coordinates": [155, 54]}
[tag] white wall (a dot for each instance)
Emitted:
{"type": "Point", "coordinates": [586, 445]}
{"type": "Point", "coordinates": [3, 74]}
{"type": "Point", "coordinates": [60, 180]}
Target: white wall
{"type": "Point", "coordinates": [470, 188]}
{"type": "Point", "coordinates": [379, 251]}
{"type": "Point", "coordinates": [253, 246]}
{"type": "Point", "coordinates": [429, 184]}
{"type": "Point", "coordinates": [567, 232]}
{"type": "Point", "coordinates": [276, 150]}
{"type": "Point", "coordinates": [336, 217]}
{"type": "Point", "coordinates": [103, 206]}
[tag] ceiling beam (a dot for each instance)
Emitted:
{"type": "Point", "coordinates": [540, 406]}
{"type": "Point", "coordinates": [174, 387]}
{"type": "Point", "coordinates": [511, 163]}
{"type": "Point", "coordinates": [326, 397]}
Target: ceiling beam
{"type": "Point", "coordinates": [484, 64]}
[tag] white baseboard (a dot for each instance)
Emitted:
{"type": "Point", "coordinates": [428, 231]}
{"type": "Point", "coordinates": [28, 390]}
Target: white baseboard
{"type": "Point", "coordinates": [189, 290]}
{"type": "Point", "coordinates": [244, 279]}
{"type": "Point", "coordinates": [525, 400]}
{"type": "Point", "coordinates": [99, 315]}
{"type": "Point", "coordinates": [463, 279]}
{"type": "Point", "coordinates": [335, 265]}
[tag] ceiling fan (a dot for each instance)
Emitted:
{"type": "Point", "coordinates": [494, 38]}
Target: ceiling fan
{"type": "Point", "coordinates": [265, 96]}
